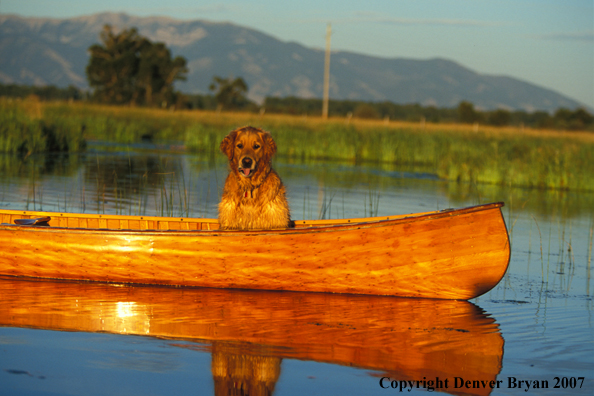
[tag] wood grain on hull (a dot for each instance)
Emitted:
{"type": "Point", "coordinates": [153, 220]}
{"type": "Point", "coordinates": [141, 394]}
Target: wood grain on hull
{"type": "Point", "coordinates": [453, 255]}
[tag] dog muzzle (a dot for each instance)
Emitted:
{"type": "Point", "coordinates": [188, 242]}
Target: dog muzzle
{"type": "Point", "coordinates": [246, 167]}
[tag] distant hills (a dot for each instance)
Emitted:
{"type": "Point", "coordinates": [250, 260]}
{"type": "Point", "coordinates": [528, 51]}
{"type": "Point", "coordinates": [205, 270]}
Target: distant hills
{"type": "Point", "coordinates": [40, 51]}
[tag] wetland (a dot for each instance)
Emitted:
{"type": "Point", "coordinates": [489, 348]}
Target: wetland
{"type": "Point", "coordinates": [533, 332]}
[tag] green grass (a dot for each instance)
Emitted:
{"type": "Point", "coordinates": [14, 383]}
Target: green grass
{"type": "Point", "coordinates": [532, 159]}
{"type": "Point", "coordinates": [19, 133]}
{"type": "Point", "coordinates": [495, 158]}
{"type": "Point", "coordinates": [25, 133]}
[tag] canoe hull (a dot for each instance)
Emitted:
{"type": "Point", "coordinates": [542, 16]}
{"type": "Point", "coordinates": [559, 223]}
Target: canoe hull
{"type": "Point", "coordinates": [453, 255]}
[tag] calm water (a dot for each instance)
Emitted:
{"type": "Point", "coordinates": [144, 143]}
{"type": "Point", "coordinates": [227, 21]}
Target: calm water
{"type": "Point", "coordinates": [60, 338]}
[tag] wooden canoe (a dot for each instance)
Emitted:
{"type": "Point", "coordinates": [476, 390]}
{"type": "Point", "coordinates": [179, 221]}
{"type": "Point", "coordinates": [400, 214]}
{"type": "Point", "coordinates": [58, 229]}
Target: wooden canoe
{"type": "Point", "coordinates": [448, 254]}
{"type": "Point", "coordinates": [405, 339]}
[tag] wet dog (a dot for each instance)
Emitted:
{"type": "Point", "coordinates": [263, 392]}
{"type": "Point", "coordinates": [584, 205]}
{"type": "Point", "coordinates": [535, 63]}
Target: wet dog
{"type": "Point", "coordinates": [254, 195]}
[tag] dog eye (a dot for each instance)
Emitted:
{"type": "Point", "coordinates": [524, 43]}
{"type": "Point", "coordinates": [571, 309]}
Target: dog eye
{"type": "Point", "coordinates": [240, 146]}
{"type": "Point", "coordinates": [256, 146]}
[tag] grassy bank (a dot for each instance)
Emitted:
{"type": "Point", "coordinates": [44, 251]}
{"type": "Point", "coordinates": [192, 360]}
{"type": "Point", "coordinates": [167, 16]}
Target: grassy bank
{"type": "Point", "coordinates": [514, 157]}
{"type": "Point", "coordinates": [26, 129]}
{"type": "Point", "coordinates": [476, 154]}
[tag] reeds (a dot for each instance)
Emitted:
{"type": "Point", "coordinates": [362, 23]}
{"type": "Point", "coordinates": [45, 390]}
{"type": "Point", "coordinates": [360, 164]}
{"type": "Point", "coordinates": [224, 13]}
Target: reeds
{"type": "Point", "coordinates": [521, 161]}
{"type": "Point", "coordinates": [529, 160]}
{"type": "Point", "coordinates": [25, 131]}
{"type": "Point", "coordinates": [514, 157]}
{"type": "Point", "coordinates": [590, 244]}
{"type": "Point", "coordinates": [19, 133]}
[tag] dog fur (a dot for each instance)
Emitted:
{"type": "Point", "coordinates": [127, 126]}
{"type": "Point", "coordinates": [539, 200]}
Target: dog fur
{"type": "Point", "coordinates": [254, 196]}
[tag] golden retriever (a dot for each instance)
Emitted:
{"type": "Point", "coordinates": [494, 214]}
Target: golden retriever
{"type": "Point", "coordinates": [254, 195]}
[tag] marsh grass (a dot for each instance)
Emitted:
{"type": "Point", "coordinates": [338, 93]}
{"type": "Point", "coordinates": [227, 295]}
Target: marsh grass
{"type": "Point", "coordinates": [504, 156]}
{"type": "Point", "coordinates": [26, 129]}
{"type": "Point", "coordinates": [541, 251]}
{"type": "Point", "coordinates": [34, 193]}
{"type": "Point", "coordinates": [590, 244]}
{"type": "Point", "coordinates": [589, 267]}
{"type": "Point", "coordinates": [325, 198]}
{"type": "Point", "coordinates": [19, 133]}
{"type": "Point", "coordinates": [373, 204]}
{"type": "Point", "coordinates": [495, 156]}
{"type": "Point", "coordinates": [172, 201]}
{"type": "Point", "coordinates": [562, 261]}
{"type": "Point", "coordinates": [525, 161]}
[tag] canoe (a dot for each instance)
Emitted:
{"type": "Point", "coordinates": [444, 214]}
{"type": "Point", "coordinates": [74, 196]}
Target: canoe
{"type": "Point", "coordinates": [446, 254]}
{"type": "Point", "coordinates": [404, 339]}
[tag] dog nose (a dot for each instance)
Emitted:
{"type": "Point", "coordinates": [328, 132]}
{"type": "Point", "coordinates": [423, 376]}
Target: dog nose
{"type": "Point", "coordinates": [246, 162]}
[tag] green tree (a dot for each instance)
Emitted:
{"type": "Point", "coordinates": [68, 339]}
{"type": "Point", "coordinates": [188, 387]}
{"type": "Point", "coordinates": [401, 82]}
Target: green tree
{"type": "Point", "coordinates": [576, 120]}
{"type": "Point", "coordinates": [499, 117]}
{"type": "Point", "coordinates": [466, 113]}
{"type": "Point", "coordinates": [156, 74]}
{"type": "Point", "coordinates": [230, 94]}
{"type": "Point", "coordinates": [129, 68]}
{"type": "Point", "coordinates": [366, 110]}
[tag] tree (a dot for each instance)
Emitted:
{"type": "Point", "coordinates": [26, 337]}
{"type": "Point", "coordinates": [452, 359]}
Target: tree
{"type": "Point", "coordinates": [157, 72]}
{"type": "Point", "coordinates": [499, 117]}
{"type": "Point", "coordinates": [575, 120]}
{"type": "Point", "coordinates": [366, 110]}
{"type": "Point", "coordinates": [129, 68]}
{"type": "Point", "coordinates": [466, 113]}
{"type": "Point", "coordinates": [229, 93]}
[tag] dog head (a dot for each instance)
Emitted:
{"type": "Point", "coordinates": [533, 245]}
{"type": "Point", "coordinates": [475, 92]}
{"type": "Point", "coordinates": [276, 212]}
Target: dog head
{"type": "Point", "coordinates": [249, 150]}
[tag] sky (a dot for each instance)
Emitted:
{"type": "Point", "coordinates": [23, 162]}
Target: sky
{"type": "Point", "coordinates": [549, 43]}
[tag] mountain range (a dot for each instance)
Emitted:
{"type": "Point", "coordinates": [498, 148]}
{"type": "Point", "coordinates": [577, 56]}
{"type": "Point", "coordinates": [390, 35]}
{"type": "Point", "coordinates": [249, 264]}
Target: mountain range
{"type": "Point", "coordinates": [43, 51]}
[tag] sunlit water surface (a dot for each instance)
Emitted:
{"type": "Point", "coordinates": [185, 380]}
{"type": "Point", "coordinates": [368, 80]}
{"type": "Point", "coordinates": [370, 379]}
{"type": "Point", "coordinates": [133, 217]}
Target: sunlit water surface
{"type": "Point", "coordinates": [536, 326]}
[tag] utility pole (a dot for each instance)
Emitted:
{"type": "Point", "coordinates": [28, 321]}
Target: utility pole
{"type": "Point", "coordinates": [326, 74]}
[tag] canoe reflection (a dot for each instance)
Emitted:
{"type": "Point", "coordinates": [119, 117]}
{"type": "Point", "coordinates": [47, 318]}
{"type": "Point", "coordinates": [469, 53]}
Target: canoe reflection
{"type": "Point", "coordinates": [249, 332]}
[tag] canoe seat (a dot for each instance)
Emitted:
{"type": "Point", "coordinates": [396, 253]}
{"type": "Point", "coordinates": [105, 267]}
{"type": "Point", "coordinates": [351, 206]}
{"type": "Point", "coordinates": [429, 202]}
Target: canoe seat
{"type": "Point", "coordinates": [40, 221]}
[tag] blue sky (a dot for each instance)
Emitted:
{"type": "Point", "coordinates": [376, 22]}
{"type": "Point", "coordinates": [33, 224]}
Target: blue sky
{"type": "Point", "coordinates": [546, 42]}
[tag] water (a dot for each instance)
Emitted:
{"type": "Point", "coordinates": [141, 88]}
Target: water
{"type": "Point", "coordinates": [536, 326]}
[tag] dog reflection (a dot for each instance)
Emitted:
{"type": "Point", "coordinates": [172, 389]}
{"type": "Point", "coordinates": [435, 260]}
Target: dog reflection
{"type": "Point", "coordinates": [237, 374]}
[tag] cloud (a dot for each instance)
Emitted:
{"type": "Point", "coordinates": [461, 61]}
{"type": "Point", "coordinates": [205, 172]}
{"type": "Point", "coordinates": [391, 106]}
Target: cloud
{"type": "Point", "coordinates": [571, 36]}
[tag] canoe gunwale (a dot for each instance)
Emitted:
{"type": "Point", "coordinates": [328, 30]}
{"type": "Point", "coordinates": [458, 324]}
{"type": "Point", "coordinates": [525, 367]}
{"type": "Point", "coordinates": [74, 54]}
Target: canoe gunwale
{"type": "Point", "coordinates": [341, 225]}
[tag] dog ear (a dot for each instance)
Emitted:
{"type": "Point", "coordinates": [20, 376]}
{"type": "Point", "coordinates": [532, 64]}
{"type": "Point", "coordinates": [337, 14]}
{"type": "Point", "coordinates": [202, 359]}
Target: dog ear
{"type": "Point", "coordinates": [269, 146]}
{"type": "Point", "coordinates": [228, 144]}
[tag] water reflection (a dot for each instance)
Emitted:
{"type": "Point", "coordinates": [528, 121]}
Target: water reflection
{"type": "Point", "coordinates": [147, 181]}
{"type": "Point", "coordinates": [236, 373]}
{"type": "Point", "coordinates": [35, 166]}
{"type": "Point", "coordinates": [249, 333]}
{"type": "Point", "coordinates": [546, 291]}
